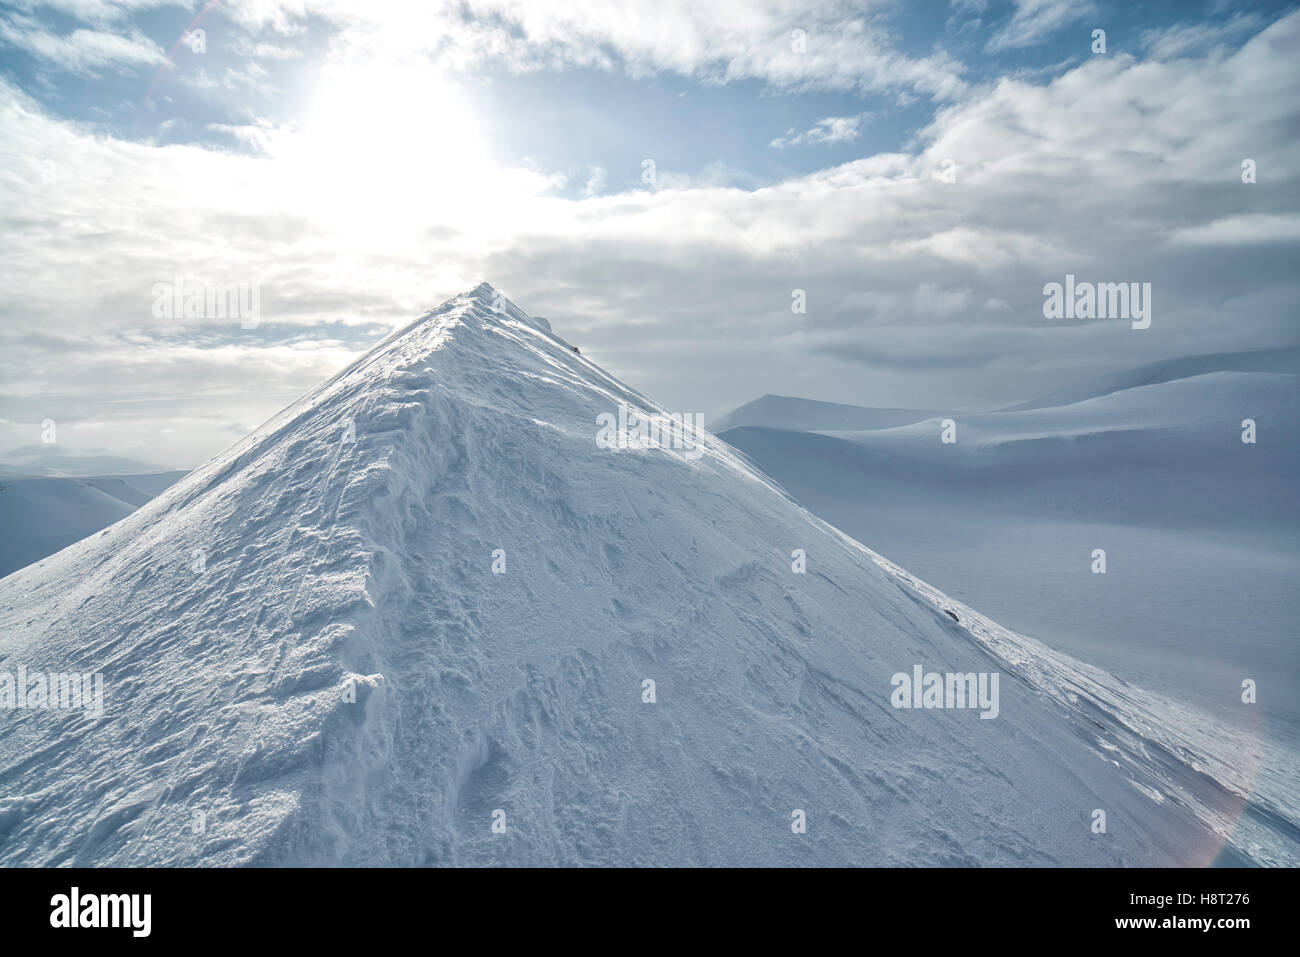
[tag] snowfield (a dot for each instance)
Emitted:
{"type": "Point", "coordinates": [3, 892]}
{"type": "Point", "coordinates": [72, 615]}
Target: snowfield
{"type": "Point", "coordinates": [309, 659]}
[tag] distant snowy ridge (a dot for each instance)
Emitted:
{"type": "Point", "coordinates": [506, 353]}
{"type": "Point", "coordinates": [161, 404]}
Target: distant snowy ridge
{"type": "Point", "coordinates": [1271, 360]}
{"type": "Point", "coordinates": [788, 412]}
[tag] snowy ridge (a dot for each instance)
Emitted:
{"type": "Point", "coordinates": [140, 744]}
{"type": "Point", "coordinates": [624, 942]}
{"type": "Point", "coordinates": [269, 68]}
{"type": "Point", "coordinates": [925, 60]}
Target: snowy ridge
{"type": "Point", "coordinates": [810, 415]}
{"type": "Point", "coordinates": [343, 551]}
{"type": "Point", "coordinates": [1285, 361]}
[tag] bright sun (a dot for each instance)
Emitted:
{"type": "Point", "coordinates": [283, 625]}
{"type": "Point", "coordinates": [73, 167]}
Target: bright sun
{"type": "Point", "coordinates": [386, 149]}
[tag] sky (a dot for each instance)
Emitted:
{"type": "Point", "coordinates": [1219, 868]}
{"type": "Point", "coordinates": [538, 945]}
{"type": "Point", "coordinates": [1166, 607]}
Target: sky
{"type": "Point", "coordinates": [668, 183]}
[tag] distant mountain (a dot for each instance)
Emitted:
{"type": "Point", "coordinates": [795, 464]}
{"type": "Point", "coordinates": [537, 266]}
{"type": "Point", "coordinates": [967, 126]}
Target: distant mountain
{"type": "Point", "coordinates": [39, 516]}
{"type": "Point", "coordinates": [426, 616]}
{"type": "Point", "coordinates": [810, 415]}
{"type": "Point", "coordinates": [1273, 360]}
{"type": "Point", "coordinates": [1169, 453]}
{"type": "Point", "coordinates": [51, 460]}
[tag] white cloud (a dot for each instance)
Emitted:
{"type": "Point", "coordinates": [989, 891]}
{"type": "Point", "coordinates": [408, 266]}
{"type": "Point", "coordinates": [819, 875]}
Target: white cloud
{"type": "Point", "coordinates": [1035, 20]}
{"type": "Point", "coordinates": [830, 129]}
{"type": "Point", "coordinates": [1198, 38]}
{"type": "Point", "coordinates": [251, 76]}
{"type": "Point", "coordinates": [1118, 170]}
{"type": "Point", "coordinates": [259, 135]}
{"type": "Point", "coordinates": [246, 47]}
{"type": "Point", "coordinates": [927, 301]}
{"type": "Point", "coordinates": [846, 46]}
{"type": "Point", "coordinates": [983, 248]}
{"type": "Point", "coordinates": [596, 182]}
{"type": "Point", "coordinates": [97, 11]}
{"type": "Point", "coordinates": [1248, 229]}
{"type": "Point", "coordinates": [81, 51]}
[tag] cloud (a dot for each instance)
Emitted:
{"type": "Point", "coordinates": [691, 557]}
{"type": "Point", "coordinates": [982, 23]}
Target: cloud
{"type": "Point", "coordinates": [596, 182]}
{"type": "Point", "coordinates": [1121, 169]}
{"type": "Point", "coordinates": [247, 47]}
{"type": "Point", "coordinates": [251, 76]}
{"type": "Point", "coordinates": [260, 135]}
{"type": "Point", "coordinates": [830, 129]}
{"type": "Point", "coordinates": [81, 51]}
{"type": "Point", "coordinates": [927, 301]}
{"type": "Point", "coordinates": [1248, 229]}
{"type": "Point", "coordinates": [1035, 20]}
{"type": "Point", "coordinates": [839, 44]}
{"type": "Point", "coordinates": [1198, 38]}
{"type": "Point", "coordinates": [982, 248]}
{"type": "Point", "coordinates": [96, 11]}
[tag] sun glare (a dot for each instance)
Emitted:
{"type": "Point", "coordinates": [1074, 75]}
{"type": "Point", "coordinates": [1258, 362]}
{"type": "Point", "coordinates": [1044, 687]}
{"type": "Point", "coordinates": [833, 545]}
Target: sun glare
{"type": "Point", "coordinates": [387, 149]}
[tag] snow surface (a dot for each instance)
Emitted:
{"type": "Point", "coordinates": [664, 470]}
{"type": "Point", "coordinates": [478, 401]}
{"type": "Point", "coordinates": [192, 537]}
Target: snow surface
{"type": "Point", "coordinates": [332, 560]}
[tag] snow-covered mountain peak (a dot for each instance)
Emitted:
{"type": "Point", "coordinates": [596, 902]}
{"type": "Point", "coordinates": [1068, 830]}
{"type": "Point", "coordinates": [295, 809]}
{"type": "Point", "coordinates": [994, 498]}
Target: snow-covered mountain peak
{"type": "Point", "coordinates": [488, 304]}
{"type": "Point", "coordinates": [425, 616]}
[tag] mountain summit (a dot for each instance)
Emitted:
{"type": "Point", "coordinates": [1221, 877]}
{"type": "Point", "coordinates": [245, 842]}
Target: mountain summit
{"type": "Point", "coordinates": [423, 617]}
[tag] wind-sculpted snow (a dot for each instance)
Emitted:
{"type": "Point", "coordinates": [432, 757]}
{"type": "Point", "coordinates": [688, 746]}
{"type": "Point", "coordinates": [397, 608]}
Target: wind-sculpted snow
{"type": "Point", "coordinates": [308, 658]}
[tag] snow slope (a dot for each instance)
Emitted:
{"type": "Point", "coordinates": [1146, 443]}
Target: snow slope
{"type": "Point", "coordinates": [39, 516]}
{"type": "Point", "coordinates": [348, 544]}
